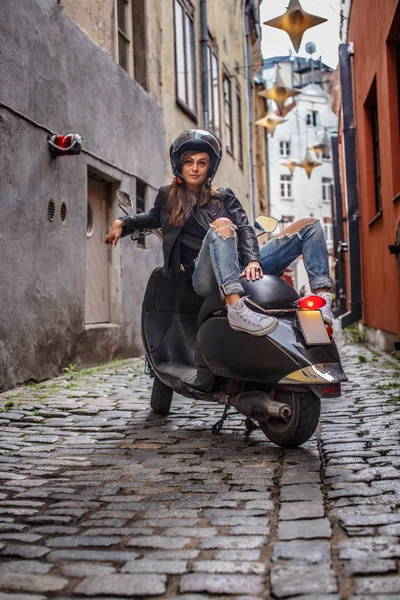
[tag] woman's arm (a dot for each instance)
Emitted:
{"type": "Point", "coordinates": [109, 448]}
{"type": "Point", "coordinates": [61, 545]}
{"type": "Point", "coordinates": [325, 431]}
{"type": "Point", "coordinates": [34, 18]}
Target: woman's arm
{"type": "Point", "coordinates": [146, 220]}
{"type": "Point", "coordinates": [247, 240]}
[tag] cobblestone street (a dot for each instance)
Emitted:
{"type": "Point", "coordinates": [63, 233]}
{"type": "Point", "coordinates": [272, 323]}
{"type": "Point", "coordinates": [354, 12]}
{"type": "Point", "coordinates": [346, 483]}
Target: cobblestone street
{"type": "Point", "coordinates": [100, 497]}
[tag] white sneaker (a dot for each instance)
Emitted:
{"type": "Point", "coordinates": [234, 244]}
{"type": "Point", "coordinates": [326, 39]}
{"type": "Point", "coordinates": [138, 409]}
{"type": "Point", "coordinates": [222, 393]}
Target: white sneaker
{"type": "Point", "coordinates": [326, 310]}
{"type": "Point", "coordinates": [241, 318]}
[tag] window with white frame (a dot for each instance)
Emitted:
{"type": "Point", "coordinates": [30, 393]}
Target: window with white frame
{"type": "Point", "coordinates": [286, 187]}
{"type": "Point", "coordinates": [124, 52]}
{"type": "Point", "coordinates": [284, 149]}
{"type": "Point", "coordinates": [327, 225]}
{"type": "Point", "coordinates": [213, 90]}
{"type": "Point", "coordinates": [312, 118]}
{"type": "Point", "coordinates": [185, 67]}
{"type": "Point", "coordinates": [326, 189]}
{"type": "Point", "coordinates": [228, 112]}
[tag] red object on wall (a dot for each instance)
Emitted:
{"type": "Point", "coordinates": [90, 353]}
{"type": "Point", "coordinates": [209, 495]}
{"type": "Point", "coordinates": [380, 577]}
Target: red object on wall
{"type": "Point", "coordinates": [62, 145]}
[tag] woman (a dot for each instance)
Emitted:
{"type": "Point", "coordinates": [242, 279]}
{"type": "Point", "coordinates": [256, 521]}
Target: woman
{"type": "Point", "coordinates": [205, 231]}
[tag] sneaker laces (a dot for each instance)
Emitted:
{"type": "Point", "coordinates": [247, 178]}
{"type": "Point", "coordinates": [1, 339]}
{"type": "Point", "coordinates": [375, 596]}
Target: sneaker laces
{"type": "Point", "coordinates": [250, 316]}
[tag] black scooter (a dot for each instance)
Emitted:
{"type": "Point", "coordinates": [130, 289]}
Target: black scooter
{"type": "Point", "coordinates": [277, 380]}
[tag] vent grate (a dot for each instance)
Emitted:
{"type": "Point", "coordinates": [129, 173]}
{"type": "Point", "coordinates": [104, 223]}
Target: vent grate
{"type": "Point", "coordinates": [63, 211]}
{"type": "Point", "coordinates": [51, 210]}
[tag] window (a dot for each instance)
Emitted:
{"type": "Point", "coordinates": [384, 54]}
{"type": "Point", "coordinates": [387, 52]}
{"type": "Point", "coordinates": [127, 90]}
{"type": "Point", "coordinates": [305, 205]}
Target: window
{"type": "Point", "coordinates": [372, 114]}
{"type": "Point", "coordinates": [326, 154]}
{"type": "Point", "coordinates": [124, 35]}
{"type": "Point", "coordinates": [185, 67]}
{"type": "Point", "coordinates": [326, 189]}
{"type": "Point", "coordinates": [376, 154]}
{"type": "Point", "coordinates": [286, 187]}
{"type": "Point", "coordinates": [284, 149]}
{"type": "Point", "coordinates": [213, 91]}
{"type": "Point", "coordinates": [228, 113]}
{"type": "Point", "coordinates": [327, 225]}
{"type": "Point", "coordinates": [239, 127]}
{"type": "Point", "coordinates": [312, 118]}
{"type": "Point", "coordinates": [141, 206]}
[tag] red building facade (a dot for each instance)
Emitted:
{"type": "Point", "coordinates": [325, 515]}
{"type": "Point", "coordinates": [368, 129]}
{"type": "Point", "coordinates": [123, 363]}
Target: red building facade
{"type": "Point", "coordinates": [368, 153]}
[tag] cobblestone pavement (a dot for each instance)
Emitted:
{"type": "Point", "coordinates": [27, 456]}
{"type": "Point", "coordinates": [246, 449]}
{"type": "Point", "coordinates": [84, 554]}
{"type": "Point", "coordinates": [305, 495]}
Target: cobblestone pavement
{"type": "Point", "coordinates": [99, 497]}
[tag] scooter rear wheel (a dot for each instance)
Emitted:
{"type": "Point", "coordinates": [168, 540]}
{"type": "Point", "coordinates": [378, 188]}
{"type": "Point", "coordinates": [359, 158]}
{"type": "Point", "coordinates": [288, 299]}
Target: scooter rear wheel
{"type": "Point", "coordinates": [300, 426]}
{"type": "Point", "coordinates": [161, 397]}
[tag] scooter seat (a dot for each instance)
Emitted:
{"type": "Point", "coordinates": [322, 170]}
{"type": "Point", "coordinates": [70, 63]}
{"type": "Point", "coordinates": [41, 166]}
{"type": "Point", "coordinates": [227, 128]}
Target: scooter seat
{"type": "Point", "coordinates": [270, 292]}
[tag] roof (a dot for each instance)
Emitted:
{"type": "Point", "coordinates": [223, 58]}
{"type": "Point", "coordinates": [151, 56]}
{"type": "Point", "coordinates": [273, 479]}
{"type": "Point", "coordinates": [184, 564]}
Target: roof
{"type": "Point", "coordinates": [300, 60]}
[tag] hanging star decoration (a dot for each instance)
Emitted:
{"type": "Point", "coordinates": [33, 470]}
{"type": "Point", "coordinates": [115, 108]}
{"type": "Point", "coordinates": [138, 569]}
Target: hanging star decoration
{"type": "Point", "coordinates": [279, 93]}
{"type": "Point", "coordinates": [291, 164]}
{"type": "Point", "coordinates": [321, 145]}
{"type": "Point", "coordinates": [308, 163]}
{"type": "Point", "coordinates": [317, 148]}
{"type": "Point", "coordinates": [295, 21]}
{"type": "Point", "coordinates": [270, 122]}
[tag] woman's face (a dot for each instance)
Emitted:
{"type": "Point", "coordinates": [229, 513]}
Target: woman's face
{"type": "Point", "coordinates": [195, 169]}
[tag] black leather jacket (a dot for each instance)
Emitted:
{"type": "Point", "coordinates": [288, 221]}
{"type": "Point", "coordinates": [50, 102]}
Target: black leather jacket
{"type": "Point", "coordinates": [225, 205]}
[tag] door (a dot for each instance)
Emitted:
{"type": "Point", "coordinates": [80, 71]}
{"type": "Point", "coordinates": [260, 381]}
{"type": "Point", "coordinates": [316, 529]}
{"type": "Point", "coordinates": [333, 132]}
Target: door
{"type": "Point", "coordinates": [97, 309]}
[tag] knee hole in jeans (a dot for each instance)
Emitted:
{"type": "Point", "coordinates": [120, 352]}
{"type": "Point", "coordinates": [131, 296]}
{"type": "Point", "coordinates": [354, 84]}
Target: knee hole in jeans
{"type": "Point", "coordinates": [223, 227]}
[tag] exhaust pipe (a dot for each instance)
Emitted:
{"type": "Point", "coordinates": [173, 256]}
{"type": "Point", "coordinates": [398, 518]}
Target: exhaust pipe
{"type": "Point", "coordinates": [257, 406]}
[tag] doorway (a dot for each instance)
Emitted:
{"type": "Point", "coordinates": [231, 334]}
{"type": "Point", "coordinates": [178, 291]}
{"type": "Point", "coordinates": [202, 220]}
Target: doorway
{"type": "Point", "coordinates": [97, 303]}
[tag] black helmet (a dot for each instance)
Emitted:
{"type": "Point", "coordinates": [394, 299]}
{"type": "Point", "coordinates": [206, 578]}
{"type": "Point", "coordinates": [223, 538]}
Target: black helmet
{"type": "Point", "coordinates": [197, 140]}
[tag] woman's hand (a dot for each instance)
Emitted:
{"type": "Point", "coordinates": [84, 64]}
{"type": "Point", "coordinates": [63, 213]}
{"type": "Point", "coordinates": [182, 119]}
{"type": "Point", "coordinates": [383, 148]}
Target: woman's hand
{"type": "Point", "coordinates": [253, 271]}
{"type": "Point", "coordinates": [114, 233]}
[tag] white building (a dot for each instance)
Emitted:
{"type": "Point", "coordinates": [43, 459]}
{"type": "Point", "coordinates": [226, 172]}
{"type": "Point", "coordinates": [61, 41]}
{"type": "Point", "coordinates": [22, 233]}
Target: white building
{"type": "Point", "coordinates": [293, 196]}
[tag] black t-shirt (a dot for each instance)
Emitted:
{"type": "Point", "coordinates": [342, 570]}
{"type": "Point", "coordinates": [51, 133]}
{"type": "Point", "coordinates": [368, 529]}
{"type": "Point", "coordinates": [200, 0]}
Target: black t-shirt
{"type": "Point", "coordinates": [191, 238]}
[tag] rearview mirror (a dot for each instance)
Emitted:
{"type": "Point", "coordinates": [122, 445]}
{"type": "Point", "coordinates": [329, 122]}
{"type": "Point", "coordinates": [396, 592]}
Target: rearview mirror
{"type": "Point", "coordinates": [124, 199]}
{"type": "Point", "coordinates": [266, 224]}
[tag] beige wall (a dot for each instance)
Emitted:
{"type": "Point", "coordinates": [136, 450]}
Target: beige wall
{"type": "Point", "coordinates": [96, 18]}
{"type": "Point", "coordinates": [226, 25]}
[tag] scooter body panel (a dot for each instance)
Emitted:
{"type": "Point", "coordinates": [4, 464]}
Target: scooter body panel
{"type": "Point", "coordinates": [230, 353]}
{"type": "Point", "coordinates": [172, 331]}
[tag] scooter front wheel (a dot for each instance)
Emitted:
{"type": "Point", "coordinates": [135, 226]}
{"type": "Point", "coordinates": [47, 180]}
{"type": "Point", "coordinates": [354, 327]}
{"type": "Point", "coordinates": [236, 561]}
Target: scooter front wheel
{"type": "Point", "coordinates": [161, 397]}
{"type": "Point", "coordinates": [300, 426]}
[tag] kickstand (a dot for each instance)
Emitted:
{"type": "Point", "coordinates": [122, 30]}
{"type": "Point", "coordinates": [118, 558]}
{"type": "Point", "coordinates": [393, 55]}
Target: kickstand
{"type": "Point", "coordinates": [250, 425]}
{"type": "Point", "coordinates": [216, 428]}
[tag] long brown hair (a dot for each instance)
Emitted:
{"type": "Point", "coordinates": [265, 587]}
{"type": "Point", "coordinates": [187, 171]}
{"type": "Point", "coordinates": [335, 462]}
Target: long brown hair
{"type": "Point", "coordinates": [181, 199]}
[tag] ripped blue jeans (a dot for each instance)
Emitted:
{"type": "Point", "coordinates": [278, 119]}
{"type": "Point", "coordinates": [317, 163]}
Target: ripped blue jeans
{"type": "Point", "coordinates": [217, 266]}
{"type": "Point", "coordinates": [279, 252]}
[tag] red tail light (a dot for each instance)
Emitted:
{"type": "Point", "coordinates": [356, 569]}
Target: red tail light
{"type": "Point", "coordinates": [329, 330]}
{"type": "Point", "coordinates": [332, 391]}
{"type": "Point", "coordinates": [311, 302]}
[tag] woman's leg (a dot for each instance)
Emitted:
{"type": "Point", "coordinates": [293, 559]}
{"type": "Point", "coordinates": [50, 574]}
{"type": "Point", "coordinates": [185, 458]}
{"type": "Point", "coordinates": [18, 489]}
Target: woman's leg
{"type": "Point", "coordinates": [217, 267]}
{"type": "Point", "coordinates": [303, 237]}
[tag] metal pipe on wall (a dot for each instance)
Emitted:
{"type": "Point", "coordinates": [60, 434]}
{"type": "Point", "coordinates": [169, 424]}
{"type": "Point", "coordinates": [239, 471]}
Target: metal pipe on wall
{"type": "Point", "coordinates": [353, 213]}
{"type": "Point", "coordinates": [204, 63]}
{"type": "Point", "coordinates": [338, 233]}
{"type": "Point", "coordinates": [246, 11]}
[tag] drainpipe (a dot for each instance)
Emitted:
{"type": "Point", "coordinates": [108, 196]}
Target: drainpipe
{"type": "Point", "coordinates": [268, 172]}
{"type": "Point", "coordinates": [353, 213]}
{"type": "Point", "coordinates": [339, 246]}
{"type": "Point", "coordinates": [246, 11]}
{"type": "Point", "coordinates": [204, 63]}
